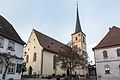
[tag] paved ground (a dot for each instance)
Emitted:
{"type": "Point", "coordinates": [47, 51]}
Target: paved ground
{"type": "Point", "coordinates": [55, 79]}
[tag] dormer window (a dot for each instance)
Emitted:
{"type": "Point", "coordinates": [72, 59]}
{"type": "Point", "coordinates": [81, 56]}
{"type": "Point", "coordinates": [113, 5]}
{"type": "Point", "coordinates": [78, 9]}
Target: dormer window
{"type": "Point", "coordinates": [1, 42]}
{"type": "Point", "coordinates": [48, 46]}
{"type": "Point", "coordinates": [11, 46]}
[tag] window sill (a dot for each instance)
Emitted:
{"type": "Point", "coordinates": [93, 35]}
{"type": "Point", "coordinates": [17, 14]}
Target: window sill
{"type": "Point", "coordinates": [10, 73]}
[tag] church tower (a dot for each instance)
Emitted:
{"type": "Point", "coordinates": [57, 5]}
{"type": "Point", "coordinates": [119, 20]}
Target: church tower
{"type": "Point", "coordinates": [79, 38]}
{"type": "Point", "coordinates": [79, 43]}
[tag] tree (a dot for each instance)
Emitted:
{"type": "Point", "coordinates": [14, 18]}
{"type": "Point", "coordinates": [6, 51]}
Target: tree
{"type": "Point", "coordinates": [5, 58]}
{"type": "Point", "coordinates": [72, 59]}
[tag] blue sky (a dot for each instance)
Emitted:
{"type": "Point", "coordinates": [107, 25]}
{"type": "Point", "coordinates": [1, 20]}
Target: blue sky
{"type": "Point", "coordinates": [57, 18]}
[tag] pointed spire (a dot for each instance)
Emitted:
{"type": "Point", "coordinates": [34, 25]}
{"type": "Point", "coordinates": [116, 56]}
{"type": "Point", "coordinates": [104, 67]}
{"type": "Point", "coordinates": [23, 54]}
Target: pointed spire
{"type": "Point", "coordinates": [78, 26]}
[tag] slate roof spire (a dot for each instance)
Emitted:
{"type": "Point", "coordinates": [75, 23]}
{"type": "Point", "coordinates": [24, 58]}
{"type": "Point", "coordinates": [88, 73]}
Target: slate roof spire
{"type": "Point", "coordinates": [78, 26]}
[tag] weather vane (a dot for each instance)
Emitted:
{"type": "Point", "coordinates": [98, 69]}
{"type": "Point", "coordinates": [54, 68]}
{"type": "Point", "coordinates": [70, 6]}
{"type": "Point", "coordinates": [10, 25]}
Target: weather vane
{"type": "Point", "coordinates": [77, 3]}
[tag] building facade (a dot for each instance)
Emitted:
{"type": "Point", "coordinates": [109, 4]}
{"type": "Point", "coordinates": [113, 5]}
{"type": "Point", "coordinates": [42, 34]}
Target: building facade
{"type": "Point", "coordinates": [107, 56]}
{"type": "Point", "coordinates": [10, 43]}
{"type": "Point", "coordinates": [41, 50]}
{"type": "Point", "coordinates": [40, 53]}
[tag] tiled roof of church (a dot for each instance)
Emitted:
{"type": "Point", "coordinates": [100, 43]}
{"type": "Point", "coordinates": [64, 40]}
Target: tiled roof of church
{"type": "Point", "coordinates": [112, 38]}
{"type": "Point", "coordinates": [51, 44]}
{"type": "Point", "coordinates": [7, 31]}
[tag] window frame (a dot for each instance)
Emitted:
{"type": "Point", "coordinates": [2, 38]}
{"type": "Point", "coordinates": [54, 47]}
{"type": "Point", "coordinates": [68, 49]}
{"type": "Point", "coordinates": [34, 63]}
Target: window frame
{"type": "Point", "coordinates": [105, 55]}
{"type": "Point", "coordinates": [11, 68]}
{"type": "Point", "coordinates": [27, 58]}
{"type": "Point", "coordinates": [107, 69]}
{"type": "Point", "coordinates": [34, 57]}
{"type": "Point", "coordinates": [11, 45]}
{"type": "Point", "coordinates": [118, 52]}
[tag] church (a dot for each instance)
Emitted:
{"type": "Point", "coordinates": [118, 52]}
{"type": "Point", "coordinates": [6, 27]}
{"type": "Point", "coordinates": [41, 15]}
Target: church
{"type": "Point", "coordinates": [41, 49]}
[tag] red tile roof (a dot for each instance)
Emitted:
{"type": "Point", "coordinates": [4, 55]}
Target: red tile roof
{"type": "Point", "coordinates": [51, 44]}
{"type": "Point", "coordinates": [112, 38]}
{"type": "Point", "coordinates": [7, 31]}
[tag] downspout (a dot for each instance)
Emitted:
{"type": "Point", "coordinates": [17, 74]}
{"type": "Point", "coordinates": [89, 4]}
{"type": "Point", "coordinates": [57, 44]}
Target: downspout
{"type": "Point", "coordinates": [42, 63]}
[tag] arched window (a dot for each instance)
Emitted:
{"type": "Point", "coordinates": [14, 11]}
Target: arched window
{"type": "Point", "coordinates": [118, 52]}
{"type": "Point", "coordinates": [107, 69]}
{"type": "Point", "coordinates": [34, 57]}
{"type": "Point", "coordinates": [27, 58]}
{"type": "Point", "coordinates": [105, 54]}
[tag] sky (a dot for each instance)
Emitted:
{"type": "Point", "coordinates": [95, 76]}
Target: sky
{"type": "Point", "coordinates": [57, 18]}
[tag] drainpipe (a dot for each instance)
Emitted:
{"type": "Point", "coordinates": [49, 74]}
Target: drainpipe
{"type": "Point", "coordinates": [42, 63]}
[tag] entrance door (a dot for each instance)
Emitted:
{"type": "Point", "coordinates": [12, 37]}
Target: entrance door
{"type": "Point", "coordinates": [30, 71]}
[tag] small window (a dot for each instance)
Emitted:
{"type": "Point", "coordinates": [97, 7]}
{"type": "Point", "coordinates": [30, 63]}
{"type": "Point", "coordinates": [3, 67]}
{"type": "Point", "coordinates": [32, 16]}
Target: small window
{"type": "Point", "coordinates": [27, 58]}
{"type": "Point", "coordinates": [84, 39]}
{"type": "Point", "coordinates": [11, 69]}
{"type": "Point", "coordinates": [48, 46]}
{"type": "Point", "coordinates": [76, 46]}
{"type": "Point", "coordinates": [76, 38]}
{"type": "Point", "coordinates": [54, 62]}
{"type": "Point", "coordinates": [11, 45]}
{"type": "Point", "coordinates": [34, 57]}
{"type": "Point", "coordinates": [107, 69]}
{"type": "Point", "coordinates": [119, 67]}
{"type": "Point", "coordinates": [51, 42]}
{"type": "Point", "coordinates": [18, 68]}
{"type": "Point", "coordinates": [1, 42]}
{"type": "Point", "coordinates": [118, 52]}
{"type": "Point", "coordinates": [105, 54]}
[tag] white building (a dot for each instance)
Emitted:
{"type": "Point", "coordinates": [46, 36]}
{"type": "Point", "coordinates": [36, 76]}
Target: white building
{"type": "Point", "coordinates": [107, 56]}
{"type": "Point", "coordinates": [10, 42]}
{"type": "Point", "coordinates": [40, 52]}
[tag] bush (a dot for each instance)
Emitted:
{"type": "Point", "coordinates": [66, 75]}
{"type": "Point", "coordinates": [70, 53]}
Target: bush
{"type": "Point", "coordinates": [63, 75]}
{"type": "Point", "coordinates": [58, 76]}
{"type": "Point", "coordinates": [49, 77]}
{"type": "Point", "coordinates": [53, 75]}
